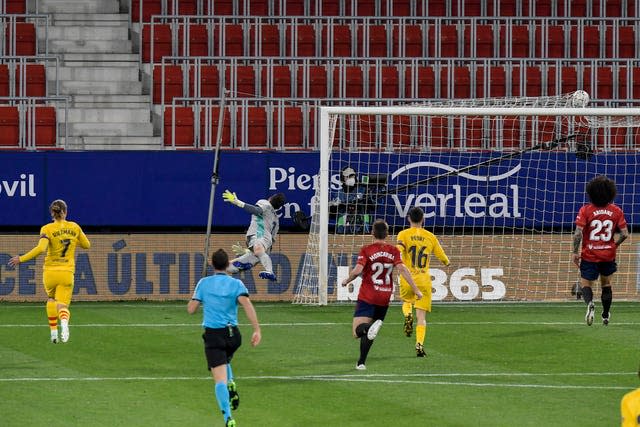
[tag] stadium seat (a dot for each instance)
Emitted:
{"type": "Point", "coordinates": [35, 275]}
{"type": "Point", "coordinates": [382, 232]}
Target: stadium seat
{"type": "Point", "coordinates": [494, 86]}
{"type": "Point", "coordinates": [386, 85]}
{"type": "Point", "coordinates": [472, 126]}
{"type": "Point", "coordinates": [526, 81]}
{"type": "Point", "coordinates": [16, 6]}
{"type": "Point", "coordinates": [400, 8]}
{"type": "Point", "coordinates": [510, 133]}
{"type": "Point", "coordinates": [232, 41]}
{"type": "Point", "coordinates": [161, 42]}
{"type": "Point", "coordinates": [226, 7]}
{"type": "Point", "coordinates": [471, 8]}
{"type": "Point", "coordinates": [293, 127]}
{"type": "Point", "coordinates": [4, 80]}
{"type": "Point", "coordinates": [409, 38]}
{"type": "Point", "coordinates": [629, 83]}
{"type": "Point", "coordinates": [518, 41]}
{"type": "Point", "coordinates": [598, 82]}
{"type": "Point", "coordinates": [254, 119]}
{"type": "Point", "coordinates": [149, 8]}
{"type": "Point", "coordinates": [301, 40]}
{"type": "Point", "coordinates": [293, 8]}
{"type": "Point", "coordinates": [562, 80]}
{"type": "Point", "coordinates": [578, 9]}
{"type": "Point", "coordinates": [507, 8]}
{"type": "Point", "coordinates": [372, 41]}
{"type": "Point", "coordinates": [257, 8]}
{"type": "Point", "coordinates": [420, 82]}
{"type": "Point", "coordinates": [482, 40]}
{"type": "Point", "coordinates": [184, 132]}
{"type": "Point", "coordinates": [36, 81]}
{"type": "Point", "coordinates": [456, 86]}
{"type": "Point", "coordinates": [198, 40]}
{"type": "Point", "coordinates": [625, 42]}
{"type": "Point", "coordinates": [276, 78]}
{"type": "Point", "coordinates": [265, 40]}
{"type": "Point", "coordinates": [24, 39]}
{"type": "Point", "coordinates": [9, 127]}
{"type": "Point", "coordinates": [243, 82]}
{"type": "Point", "coordinates": [553, 39]}
{"type": "Point", "coordinates": [45, 127]}
{"type": "Point", "coordinates": [436, 132]}
{"type": "Point", "coordinates": [348, 81]}
{"type": "Point", "coordinates": [173, 83]}
{"type": "Point", "coordinates": [315, 79]}
{"type": "Point", "coordinates": [435, 8]}
{"type": "Point", "coordinates": [336, 40]}
{"type": "Point", "coordinates": [184, 7]}
{"type": "Point", "coordinates": [446, 41]}
{"type": "Point", "coordinates": [329, 8]}
{"type": "Point", "coordinates": [588, 40]}
{"type": "Point", "coordinates": [214, 119]}
{"type": "Point", "coordinates": [363, 8]}
{"type": "Point", "coordinates": [209, 81]}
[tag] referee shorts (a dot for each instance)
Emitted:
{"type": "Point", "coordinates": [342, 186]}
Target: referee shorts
{"type": "Point", "coordinates": [220, 344]}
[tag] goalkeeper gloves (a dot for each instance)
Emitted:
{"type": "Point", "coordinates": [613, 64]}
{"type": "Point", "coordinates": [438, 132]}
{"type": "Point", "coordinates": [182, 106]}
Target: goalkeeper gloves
{"type": "Point", "coordinates": [230, 197]}
{"type": "Point", "coordinates": [239, 250]}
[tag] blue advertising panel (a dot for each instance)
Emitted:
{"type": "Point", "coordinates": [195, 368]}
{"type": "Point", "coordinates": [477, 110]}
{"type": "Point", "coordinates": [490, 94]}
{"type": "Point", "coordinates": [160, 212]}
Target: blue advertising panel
{"type": "Point", "coordinates": [169, 188]}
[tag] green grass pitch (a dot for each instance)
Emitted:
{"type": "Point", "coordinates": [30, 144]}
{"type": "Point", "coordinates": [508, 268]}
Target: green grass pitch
{"type": "Point", "coordinates": [142, 364]}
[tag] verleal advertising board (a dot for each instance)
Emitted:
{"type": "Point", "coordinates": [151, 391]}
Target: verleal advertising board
{"type": "Point", "coordinates": [146, 189]}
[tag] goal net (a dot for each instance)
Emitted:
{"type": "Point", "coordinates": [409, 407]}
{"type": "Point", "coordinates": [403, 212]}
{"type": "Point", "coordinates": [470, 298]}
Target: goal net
{"type": "Point", "coordinates": [500, 182]}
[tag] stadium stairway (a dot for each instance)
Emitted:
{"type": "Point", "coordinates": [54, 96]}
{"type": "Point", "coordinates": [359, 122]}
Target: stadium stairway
{"type": "Point", "coordinates": [100, 73]}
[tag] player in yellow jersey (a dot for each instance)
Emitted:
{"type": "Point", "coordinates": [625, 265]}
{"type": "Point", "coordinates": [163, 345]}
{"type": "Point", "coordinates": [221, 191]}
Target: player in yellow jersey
{"type": "Point", "coordinates": [416, 245]}
{"type": "Point", "coordinates": [630, 408]}
{"type": "Point", "coordinates": [59, 239]}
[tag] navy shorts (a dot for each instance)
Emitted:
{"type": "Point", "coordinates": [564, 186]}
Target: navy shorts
{"type": "Point", "coordinates": [376, 312]}
{"type": "Point", "coordinates": [220, 344]}
{"type": "Point", "coordinates": [591, 270]}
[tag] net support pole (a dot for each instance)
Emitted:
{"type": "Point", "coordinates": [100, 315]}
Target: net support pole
{"type": "Point", "coordinates": [323, 236]}
{"type": "Point", "coordinates": [214, 183]}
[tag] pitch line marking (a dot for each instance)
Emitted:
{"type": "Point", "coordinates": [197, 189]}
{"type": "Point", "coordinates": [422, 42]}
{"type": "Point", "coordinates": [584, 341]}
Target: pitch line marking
{"type": "Point", "coordinates": [372, 378]}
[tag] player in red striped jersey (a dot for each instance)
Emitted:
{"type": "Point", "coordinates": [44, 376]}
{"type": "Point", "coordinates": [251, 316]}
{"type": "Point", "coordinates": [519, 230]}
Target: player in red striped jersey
{"type": "Point", "coordinates": [600, 229]}
{"type": "Point", "coordinates": [376, 262]}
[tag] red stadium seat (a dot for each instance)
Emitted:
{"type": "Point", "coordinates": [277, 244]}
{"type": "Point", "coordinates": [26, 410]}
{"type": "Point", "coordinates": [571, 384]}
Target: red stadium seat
{"type": "Point", "coordinates": [348, 82]}
{"type": "Point", "coordinates": [483, 40]}
{"type": "Point", "coordinates": [4, 80]}
{"type": "Point", "coordinates": [505, 8]}
{"type": "Point", "coordinates": [173, 83]}
{"type": "Point", "coordinates": [629, 83]}
{"type": "Point", "coordinates": [209, 81]}
{"type": "Point", "coordinates": [562, 81]}
{"type": "Point", "coordinates": [336, 40]}
{"type": "Point", "coordinates": [471, 8]}
{"type": "Point", "coordinates": [519, 40]}
{"type": "Point", "coordinates": [24, 39]}
{"type": "Point", "coordinates": [553, 39]}
{"type": "Point", "coordinates": [233, 41]}
{"type": "Point", "coordinates": [9, 127]}
{"type": "Point", "coordinates": [510, 133]}
{"type": "Point", "coordinates": [244, 80]}
{"type": "Point", "coordinates": [408, 37]}
{"type": "Point", "coordinates": [45, 126]}
{"type": "Point", "coordinates": [388, 82]}
{"type": "Point", "coordinates": [198, 40]}
{"type": "Point", "coordinates": [600, 85]}
{"type": "Point", "coordinates": [161, 42]}
{"type": "Point", "coordinates": [36, 81]}
{"type": "Point", "coordinates": [279, 81]}
{"type": "Point", "coordinates": [494, 86]}
{"type": "Point", "coordinates": [526, 81]}
{"type": "Point", "coordinates": [364, 8]}
{"type": "Point", "coordinates": [329, 8]}
{"type": "Point", "coordinates": [400, 8]}
{"type": "Point", "coordinates": [420, 82]}
{"type": "Point", "coordinates": [16, 6]}
{"type": "Point", "coordinates": [149, 8]}
{"type": "Point", "coordinates": [372, 40]}
{"type": "Point", "coordinates": [435, 8]}
{"type": "Point", "coordinates": [254, 120]}
{"type": "Point", "coordinates": [436, 132]}
{"type": "Point", "coordinates": [184, 132]}
{"type": "Point", "coordinates": [268, 40]}
{"type": "Point", "coordinates": [626, 42]}
{"type": "Point", "coordinates": [590, 42]}
{"type": "Point", "coordinates": [447, 41]}
{"type": "Point", "coordinates": [257, 8]}
{"type": "Point", "coordinates": [578, 8]}
{"type": "Point", "coordinates": [301, 40]}
{"type": "Point", "coordinates": [460, 83]}
{"type": "Point", "coordinates": [185, 7]}
{"type": "Point", "coordinates": [293, 128]}
{"type": "Point", "coordinates": [225, 7]}
{"type": "Point", "coordinates": [315, 78]}
{"type": "Point", "coordinates": [211, 127]}
{"type": "Point", "coordinates": [293, 8]}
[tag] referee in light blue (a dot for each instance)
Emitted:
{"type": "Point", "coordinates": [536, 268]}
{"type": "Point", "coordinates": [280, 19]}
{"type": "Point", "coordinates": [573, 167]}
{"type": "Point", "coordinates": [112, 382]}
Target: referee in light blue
{"type": "Point", "coordinates": [220, 294]}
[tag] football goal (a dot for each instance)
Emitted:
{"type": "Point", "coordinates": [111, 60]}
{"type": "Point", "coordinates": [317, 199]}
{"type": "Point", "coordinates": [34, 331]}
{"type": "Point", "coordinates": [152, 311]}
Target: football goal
{"type": "Point", "coordinates": [500, 182]}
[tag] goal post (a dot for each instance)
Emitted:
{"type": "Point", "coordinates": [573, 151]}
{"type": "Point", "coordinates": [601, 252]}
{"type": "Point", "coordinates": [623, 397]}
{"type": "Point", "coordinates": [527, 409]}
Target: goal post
{"type": "Point", "coordinates": [500, 181]}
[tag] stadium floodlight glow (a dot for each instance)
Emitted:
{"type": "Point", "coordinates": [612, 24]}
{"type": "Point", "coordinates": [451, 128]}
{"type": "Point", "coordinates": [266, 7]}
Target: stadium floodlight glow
{"type": "Point", "coordinates": [500, 181]}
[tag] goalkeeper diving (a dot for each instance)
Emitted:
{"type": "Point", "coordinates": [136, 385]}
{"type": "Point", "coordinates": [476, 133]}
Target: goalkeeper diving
{"type": "Point", "coordinates": [260, 235]}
